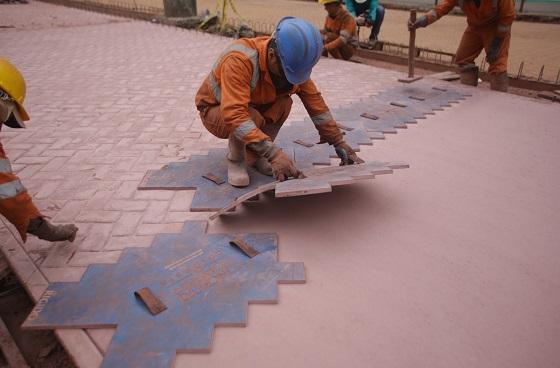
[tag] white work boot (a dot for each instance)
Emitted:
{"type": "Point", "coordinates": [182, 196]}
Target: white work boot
{"type": "Point", "coordinates": [237, 168]}
{"type": "Point", "coordinates": [263, 166]}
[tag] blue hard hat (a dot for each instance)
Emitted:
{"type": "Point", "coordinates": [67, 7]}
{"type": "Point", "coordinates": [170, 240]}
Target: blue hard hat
{"type": "Point", "coordinates": [299, 46]}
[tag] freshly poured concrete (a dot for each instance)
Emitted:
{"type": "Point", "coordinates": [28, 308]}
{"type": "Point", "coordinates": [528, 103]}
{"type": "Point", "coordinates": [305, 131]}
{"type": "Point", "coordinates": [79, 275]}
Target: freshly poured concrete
{"type": "Point", "coordinates": [454, 262]}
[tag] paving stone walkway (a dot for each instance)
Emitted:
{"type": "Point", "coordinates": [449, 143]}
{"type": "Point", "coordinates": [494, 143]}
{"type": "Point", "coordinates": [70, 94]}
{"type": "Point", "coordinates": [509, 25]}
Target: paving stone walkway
{"type": "Point", "coordinates": [109, 99]}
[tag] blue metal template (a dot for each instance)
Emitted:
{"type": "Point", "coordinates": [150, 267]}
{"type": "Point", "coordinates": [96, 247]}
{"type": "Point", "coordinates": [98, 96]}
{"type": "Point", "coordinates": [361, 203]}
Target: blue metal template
{"type": "Point", "coordinates": [202, 279]}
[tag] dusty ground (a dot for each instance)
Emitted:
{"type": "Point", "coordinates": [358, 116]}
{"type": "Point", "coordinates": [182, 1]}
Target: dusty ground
{"type": "Point", "coordinates": [534, 43]}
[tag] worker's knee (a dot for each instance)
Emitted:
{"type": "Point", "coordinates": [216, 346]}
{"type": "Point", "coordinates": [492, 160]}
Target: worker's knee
{"type": "Point", "coordinates": [213, 122]}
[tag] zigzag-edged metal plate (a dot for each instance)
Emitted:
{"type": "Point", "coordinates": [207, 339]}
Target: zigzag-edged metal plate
{"type": "Point", "coordinates": [202, 280]}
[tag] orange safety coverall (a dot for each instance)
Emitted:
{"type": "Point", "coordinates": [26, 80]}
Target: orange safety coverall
{"type": "Point", "coordinates": [240, 83]}
{"type": "Point", "coordinates": [340, 35]}
{"type": "Point", "coordinates": [15, 203]}
{"type": "Point", "coordinates": [492, 18]}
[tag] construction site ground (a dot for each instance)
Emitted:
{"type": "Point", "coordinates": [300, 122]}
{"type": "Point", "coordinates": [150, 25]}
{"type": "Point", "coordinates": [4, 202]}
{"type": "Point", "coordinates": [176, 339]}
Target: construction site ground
{"type": "Point", "coordinates": [535, 44]}
{"type": "Point", "coordinates": [452, 262]}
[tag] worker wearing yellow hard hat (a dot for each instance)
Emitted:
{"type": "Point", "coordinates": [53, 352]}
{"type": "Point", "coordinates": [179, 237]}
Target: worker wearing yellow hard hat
{"type": "Point", "coordinates": [16, 204]}
{"type": "Point", "coordinates": [339, 32]}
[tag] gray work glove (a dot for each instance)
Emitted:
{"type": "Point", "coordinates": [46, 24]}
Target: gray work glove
{"type": "Point", "coordinates": [282, 167]}
{"type": "Point", "coordinates": [347, 154]}
{"type": "Point", "coordinates": [43, 229]}
{"type": "Point", "coordinates": [494, 50]}
{"type": "Point", "coordinates": [420, 23]}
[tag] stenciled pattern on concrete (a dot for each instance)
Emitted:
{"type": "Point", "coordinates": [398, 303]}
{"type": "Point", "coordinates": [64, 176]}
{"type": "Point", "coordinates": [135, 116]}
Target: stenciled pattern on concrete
{"type": "Point", "coordinates": [390, 110]}
{"type": "Point", "coordinates": [202, 279]}
{"type": "Point", "coordinates": [114, 101]}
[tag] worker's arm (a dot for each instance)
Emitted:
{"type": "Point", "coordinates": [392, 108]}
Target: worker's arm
{"type": "Point", "coordinates": [373, 10]}
{"type": "Point", "coordinates": [325, 123]}
{"type": "Point", "coordinates": [350, 7]}
{"type": "Point", "coordinates": [236, 73]}
{"type": "Point", "coordinates": [506, 14]}
{"type": "Point", "coordinates": [430, 17]}
{"type": "Point", "coordinates": [347, 33]}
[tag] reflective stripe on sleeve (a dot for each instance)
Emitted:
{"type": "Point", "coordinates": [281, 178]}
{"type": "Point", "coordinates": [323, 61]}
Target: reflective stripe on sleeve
{"type": "Point", "coordinates": [245, 128]}
{"type": "Point", "coordinates": [504, 28]}
{"type": "Point", "coordinates": [322, 118]}
{"type": "Point", "coordinates": [11, 189]}
{"type": "Point", "coordinates": [5, 166]}
{"type": "Point", "coordinates": [432, 14]}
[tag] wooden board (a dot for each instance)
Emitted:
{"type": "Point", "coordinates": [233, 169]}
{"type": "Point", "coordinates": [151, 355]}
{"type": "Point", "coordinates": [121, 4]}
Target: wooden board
{"type": "Point", "coordinates": [318, 180]}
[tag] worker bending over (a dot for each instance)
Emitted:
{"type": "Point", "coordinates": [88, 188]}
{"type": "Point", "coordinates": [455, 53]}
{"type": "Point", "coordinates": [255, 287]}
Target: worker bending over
{"type": "Point", "coordinates": [15, 203]}
{"type": "Point", "coordinates": [339, 32]}
{"type": "Point", "coordinates": [489, 28]}
{"type": "Point", "coordinates": [247, 97]}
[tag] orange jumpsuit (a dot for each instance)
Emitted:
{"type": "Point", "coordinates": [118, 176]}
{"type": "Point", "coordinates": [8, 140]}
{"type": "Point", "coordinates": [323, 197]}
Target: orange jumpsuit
{"type": "Point", "coordinates": [15, 203]}
{"type": "Point", "coordinates": [240, 87]}
{"type": "Point", "coordinates": [492, 18]}
{"type": "Point", "coordinates": [340, 35]}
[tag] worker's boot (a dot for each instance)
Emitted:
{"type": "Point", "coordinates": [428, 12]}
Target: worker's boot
{"type": "Point", "coordinates": [43, 229]}
{"type": "Point", "coordinates": [469, 74]}
{"type": "Point", "coordinates": [499, 82]}
{"type": "Point", "coordinates": [237, 168]}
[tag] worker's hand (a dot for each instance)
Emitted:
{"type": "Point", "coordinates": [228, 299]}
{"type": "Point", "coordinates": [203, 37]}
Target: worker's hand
{"type": "Point", "coordinates": [420, 23]}
{"type": "Point", "coordinates": [347, 154]}
{"type": "Point", "coordinates": [282, 167]}
{"type": "Point", "coordinates": [360, 21]}
{"type": "Point", "coordinates": [494, 50]}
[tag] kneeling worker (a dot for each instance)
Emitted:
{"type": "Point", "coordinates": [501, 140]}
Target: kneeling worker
{"type": "Point", "coordinates": [339, 32]}
{"type": "Point", "coordinates": [15, 203]}
{"type": "Point", "coordinates": [246, 99]}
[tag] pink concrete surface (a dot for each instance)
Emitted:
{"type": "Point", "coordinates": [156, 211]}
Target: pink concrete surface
{"type": "Point", "coordinates": [453, 262]}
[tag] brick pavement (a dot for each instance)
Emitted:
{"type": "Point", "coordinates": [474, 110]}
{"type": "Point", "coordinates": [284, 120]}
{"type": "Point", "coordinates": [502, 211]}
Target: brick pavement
{"type": "Point", "coordinates": [109, 99]}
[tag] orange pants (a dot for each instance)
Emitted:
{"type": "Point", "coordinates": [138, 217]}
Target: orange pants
{"type": "Point", "coordinates": [15, 203]}
{"type": "Point", "coordinates": [268, 118]}
{"type": "Point", "coordinates": [477, 38]}
{"type": "Point", "coordinates": [345, 52]}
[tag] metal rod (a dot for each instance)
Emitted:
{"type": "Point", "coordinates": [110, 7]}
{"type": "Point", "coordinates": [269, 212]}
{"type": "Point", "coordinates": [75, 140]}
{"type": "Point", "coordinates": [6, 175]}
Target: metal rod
{"type": "Point", "coordinates": [520, 69]}
{"type": "Point", "coordinates": [412, 46]}
{"type": "Point", "coordinates": [522, 6]}
{"type": "Point", "coordinates": [541, 73]}
{"type": "Point", "coordinates": [558, 76]}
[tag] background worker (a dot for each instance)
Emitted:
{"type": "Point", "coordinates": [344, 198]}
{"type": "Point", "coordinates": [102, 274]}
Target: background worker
{"type": "Point", "coordinates": [15, 203]}
{"type": "Point", "coordinates": [339, 32]}
{"type": "Point", "coordinates": [367, 13]}
{"type": "Point", "coordinates": [489, 28]}
{"type": "Point", "coordinates": [246, 99]}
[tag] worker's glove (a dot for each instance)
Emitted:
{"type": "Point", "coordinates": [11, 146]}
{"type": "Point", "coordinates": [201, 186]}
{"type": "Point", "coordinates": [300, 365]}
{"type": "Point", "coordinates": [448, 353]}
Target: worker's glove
{"type": "Point", "coordinates": [43, 229]}
{"type": "Point", "coordinates": [360, 21]}
{"type": "Point", "coordinates": [420, 23]}
{"type": "Point", "coordinates": [494, 50]}
{"type": "Point", "coordinates": [347, 154]}
{"type": "Point", "coordinates": [282, 167]}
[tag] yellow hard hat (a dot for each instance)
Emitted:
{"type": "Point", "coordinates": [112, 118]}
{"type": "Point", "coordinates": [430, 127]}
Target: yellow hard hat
{"type": "Point", "coordinates": [325, 2]}
{"type": "Point", "coordinates": [12, 83]}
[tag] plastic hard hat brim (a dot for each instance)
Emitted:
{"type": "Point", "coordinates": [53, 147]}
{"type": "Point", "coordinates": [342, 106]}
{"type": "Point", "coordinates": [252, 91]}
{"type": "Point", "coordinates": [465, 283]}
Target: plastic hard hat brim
{"type": "Point", "coordinates": [297, 78]}
{"type": "Point", "coordinates": [22, 113]}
